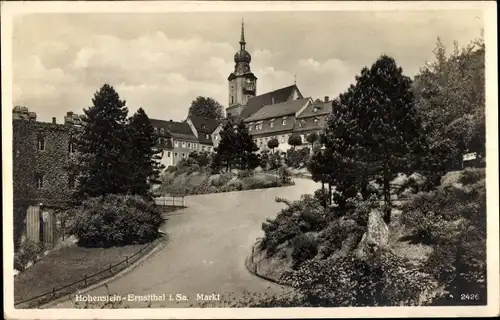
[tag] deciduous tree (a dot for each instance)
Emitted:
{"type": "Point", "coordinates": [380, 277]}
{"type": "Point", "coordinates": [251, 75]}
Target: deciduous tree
{"type": "Point", "coordinates": [273, 143]}
{"type": "Point", "coordinates": [206, 107]}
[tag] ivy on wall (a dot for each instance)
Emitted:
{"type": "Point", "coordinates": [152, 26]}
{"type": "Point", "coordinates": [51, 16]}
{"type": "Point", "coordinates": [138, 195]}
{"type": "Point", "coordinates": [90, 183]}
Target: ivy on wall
{"type": "Point", "coordinates": [53, 162]}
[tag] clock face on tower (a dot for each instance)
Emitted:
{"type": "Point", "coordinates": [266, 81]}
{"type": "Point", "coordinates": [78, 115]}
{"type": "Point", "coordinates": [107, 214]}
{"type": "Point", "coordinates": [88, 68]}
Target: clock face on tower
{"type": "Point", "coordinates": [249, 84]}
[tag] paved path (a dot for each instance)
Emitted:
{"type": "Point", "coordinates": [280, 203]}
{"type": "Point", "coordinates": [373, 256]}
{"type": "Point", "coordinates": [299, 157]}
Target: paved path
{"type": "Point", "coordinates": [208, 243]}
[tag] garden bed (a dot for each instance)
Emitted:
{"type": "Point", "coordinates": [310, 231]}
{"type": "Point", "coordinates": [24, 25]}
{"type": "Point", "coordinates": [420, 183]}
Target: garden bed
{"type": "Point", "coordinates": [68, 265]}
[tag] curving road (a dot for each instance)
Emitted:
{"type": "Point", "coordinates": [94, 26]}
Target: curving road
{"type": "Point", "coordinates": [208, 243]}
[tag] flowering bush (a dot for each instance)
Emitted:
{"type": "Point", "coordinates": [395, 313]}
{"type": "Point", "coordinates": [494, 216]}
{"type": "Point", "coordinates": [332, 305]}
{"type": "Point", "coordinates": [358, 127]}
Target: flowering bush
{"type": "Point", "coordinates": [116, 220]}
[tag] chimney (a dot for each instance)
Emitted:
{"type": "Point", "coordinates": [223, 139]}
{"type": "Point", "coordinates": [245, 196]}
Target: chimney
{"type": "Point", "coordinates": [54, 120]}
{"type": "Point", "coordinates": [69, 113]}
{"type": "Point", "coordinates": [327, 98]}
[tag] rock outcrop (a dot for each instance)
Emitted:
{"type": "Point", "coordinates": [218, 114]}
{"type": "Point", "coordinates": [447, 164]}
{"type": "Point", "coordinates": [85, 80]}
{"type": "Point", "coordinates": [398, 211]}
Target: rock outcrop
{"type": "Point", "coordinates": [376, 235]}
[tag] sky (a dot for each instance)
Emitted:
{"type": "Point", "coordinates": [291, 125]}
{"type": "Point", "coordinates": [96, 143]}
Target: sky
{"type": "Point", "coordinates": [163, 61]}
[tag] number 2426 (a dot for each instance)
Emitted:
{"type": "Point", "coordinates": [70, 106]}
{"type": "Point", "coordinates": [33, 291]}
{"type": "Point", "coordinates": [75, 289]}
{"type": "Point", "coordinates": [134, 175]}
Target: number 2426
{"type": "Point", "coordinates": [469, 296]}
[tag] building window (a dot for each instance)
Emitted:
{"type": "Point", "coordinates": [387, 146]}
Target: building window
{"type": "Point", "coordinates": [176, 154]}
{"type": "Point", "coordinates": [162, 131]}
{"type": "Point", "coordinates": [176, 144]}
{"type": "Point", "coordinates": [316, 120]}
{"type": "Point", "coordinates": [300, 124]}
{"type": "Point", "coordinates": [160, 141]}
{"type": "Point", "coordinates": [168, 154]}
{"type": "Point", "coordinates": [232, 100]}
{"type": "Point", "coordinates": [183, 155]}
{"type": "Point", "coordinates": [183, 144]}
{"type": "Point", "coordinates": [195, 145]}
{"type": "Point", "coordinates": [156, 130]}
{"type": "Point", "coordinates": [315, 109]}
{"type": "Point", "coordinates": [202, 148]}
{"type": "Point", "coordinates": [283, 122]}
{"type": "Point", "coordinates": [40, 143]}
{"type": "Point", "coordinates": [271, 124]}
{"type": "Point", "coordinates": [71, 147]}
{"type": "Point", "coordinates": [282, 139]}
{"type": "Point", "coordinates": [207, 136]}
{"type": "Point", "coordinates": [38, 180]}
{"type": "Point", "coordinates": [189, 145]}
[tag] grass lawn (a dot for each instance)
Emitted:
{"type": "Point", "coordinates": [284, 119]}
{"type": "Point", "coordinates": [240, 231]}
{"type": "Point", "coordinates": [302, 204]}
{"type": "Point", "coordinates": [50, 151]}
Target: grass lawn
{"type": "Point", "coordinates": [70, 264]}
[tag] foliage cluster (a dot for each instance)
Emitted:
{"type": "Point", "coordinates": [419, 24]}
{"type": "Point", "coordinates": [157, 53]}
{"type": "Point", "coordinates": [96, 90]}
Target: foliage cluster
{"type": "Point", "coordinates": [116, 220]}
{"type": "Point", "coordinates": [206, 107]}
{"type": "Point", "coordinates": [115, 154]}
{"type": "Point", "coordinates": [236, 149]}
{"type": "Point", "coordinates": [383, 279]}
{"type": "Point", "coordinates": [297, 158]}
{"type": "Point", "coordinates": [453, 220]}
{"type": "Point", "coordinates": [29, 252]}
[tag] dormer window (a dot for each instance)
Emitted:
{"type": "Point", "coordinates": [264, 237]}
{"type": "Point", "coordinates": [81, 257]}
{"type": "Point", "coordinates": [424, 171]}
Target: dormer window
{"type": "Point", "coordinates": [156, 130]}
{"type": "Point", "coordinates": [283, 122]}
{"type": "Point", "coordinates": [315, 109]}
{"type": "Point", "coordinates": [316, 120]}
{"type": "Point", "coordinates": [271, 124]}
{"type": "Point", "coordinates": [207, 136]}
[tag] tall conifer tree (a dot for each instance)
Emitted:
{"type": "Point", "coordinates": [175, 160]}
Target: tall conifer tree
{"type": "Point", "coordinates": [388, 123]}
{"type": "Point", "coordinates": [101, 167]}
{"type": "Point", "coordinates": [143, 156]}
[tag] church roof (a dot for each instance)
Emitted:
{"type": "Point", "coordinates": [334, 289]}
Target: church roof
{"type": "Point", "coordinates": [254, 104]}
{"type": "Point", "coordinates": [278, 110]}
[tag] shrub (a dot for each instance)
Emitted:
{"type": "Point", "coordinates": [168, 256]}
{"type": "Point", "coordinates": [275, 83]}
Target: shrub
{"type": "Point", "coordinates": [381, 280]}
{"type": "Point", "coordinates": [471, 176]}
{"type": "Point", "coordinates": [338, 231]}
{"type": "Point", "coordinates": [285, 175]}
{"type": "Point", "coordinates": [116, 220]}
{"type": "Point", "coordinates": [29, 252]}
{"type": "Point", "coordinates": [296, 218]}
{"type": "Point", "coordinates": [304, 248]}
{"type": "Point", "coordinates": [297, 158]}
{"type": "Point", "coordinates": [245, 173]}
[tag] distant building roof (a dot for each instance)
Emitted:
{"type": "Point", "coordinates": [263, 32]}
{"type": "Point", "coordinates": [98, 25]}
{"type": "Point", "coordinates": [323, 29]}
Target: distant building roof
{"type": "Point", "coordinates": [177, 129]}
{"type": "Point", "coordinates": [277, 96]}
{"type": "Point", "coordinates": [204, 124]}
{"type": "Point", "coordinates": [316, 109]}
{"type": "Point", "coordinates": [278, 110]}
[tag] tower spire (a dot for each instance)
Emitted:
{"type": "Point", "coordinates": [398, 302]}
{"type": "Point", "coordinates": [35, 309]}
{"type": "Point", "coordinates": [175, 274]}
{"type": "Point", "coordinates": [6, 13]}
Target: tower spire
{"type": "Point", "coordinates": [242, 40]}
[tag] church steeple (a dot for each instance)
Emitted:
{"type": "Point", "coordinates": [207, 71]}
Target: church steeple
{"type": "Point", "coordinates": [242, 40]}
{"type": "Point", "coordinates": [242, 82]}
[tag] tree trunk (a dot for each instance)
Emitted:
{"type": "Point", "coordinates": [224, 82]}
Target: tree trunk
{"type": "Point", "coordinates": [330, 193]}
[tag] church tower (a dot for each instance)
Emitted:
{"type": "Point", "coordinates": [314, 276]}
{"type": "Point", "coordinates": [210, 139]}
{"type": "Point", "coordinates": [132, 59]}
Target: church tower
{"type": "Point", "coordinates": [242, 82]}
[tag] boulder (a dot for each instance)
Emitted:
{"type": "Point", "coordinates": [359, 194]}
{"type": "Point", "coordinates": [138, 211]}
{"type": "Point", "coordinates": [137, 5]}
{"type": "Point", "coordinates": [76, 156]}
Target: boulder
{"type": "Point", "coordinates": [376, 235]}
